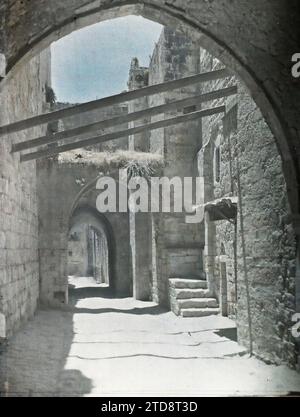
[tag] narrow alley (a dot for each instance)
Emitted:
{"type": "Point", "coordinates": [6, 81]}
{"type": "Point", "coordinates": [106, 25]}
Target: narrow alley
{"type": "Point", "coordinates": [149, 198]}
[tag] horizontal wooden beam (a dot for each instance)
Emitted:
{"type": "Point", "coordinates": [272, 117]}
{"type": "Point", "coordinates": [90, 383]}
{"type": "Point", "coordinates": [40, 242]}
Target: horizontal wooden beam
{"type": "Point", "coordinates": [116, 135]}
{"type": "Point", "coordinates": [104, 124]}
{"type": "Point", "coordinates": [112, 100]}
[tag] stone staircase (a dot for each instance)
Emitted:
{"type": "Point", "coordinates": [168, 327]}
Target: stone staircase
{"type": "Point", "coordinates": [191, 298]}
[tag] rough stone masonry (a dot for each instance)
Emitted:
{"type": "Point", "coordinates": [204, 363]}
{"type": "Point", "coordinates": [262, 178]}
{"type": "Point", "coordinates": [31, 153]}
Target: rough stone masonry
{"type": "Point", "coordinates": [19, 259]}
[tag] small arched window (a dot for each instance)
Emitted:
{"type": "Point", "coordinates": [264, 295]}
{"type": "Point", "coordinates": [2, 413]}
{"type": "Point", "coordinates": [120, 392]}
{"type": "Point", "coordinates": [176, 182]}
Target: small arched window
{"type": "Point", "coordinates": [223, 250]}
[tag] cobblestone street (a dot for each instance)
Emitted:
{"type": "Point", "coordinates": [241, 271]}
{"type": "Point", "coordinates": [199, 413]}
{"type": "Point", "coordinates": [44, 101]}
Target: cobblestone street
{"type": "Point", "coordinates": [114, 346]}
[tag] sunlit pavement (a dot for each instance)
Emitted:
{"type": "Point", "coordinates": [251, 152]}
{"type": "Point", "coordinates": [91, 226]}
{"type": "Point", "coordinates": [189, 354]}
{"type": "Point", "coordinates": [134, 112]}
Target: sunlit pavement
{"type": "Point", "coordinates": [119, 346]}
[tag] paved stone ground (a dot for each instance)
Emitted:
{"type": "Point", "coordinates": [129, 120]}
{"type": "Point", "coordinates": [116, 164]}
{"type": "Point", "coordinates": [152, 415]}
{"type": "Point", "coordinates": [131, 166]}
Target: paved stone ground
{"type": "Point", "coordinates": [115, 346]}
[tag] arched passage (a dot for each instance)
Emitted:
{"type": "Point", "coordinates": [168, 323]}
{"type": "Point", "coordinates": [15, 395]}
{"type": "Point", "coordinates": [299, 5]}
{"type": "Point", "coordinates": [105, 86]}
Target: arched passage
{"type": "Point", "coordinates": [88, 254]}
{"type": "Point", "coordinates": [95, 248]}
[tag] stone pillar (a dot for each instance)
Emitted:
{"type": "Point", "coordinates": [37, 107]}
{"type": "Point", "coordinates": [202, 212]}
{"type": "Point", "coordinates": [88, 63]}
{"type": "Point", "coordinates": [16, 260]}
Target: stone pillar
{"type": "Point", "coordinates": [140, 251]}
{"type": "Point", "coordinates": [140, 226]}
{"type": "Point", "coordinates": [53, 235]}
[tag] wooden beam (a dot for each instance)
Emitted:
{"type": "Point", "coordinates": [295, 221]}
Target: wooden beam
{"type": "Point", "coordinates": [116, 135]}
{"type": "Point", "coordinates": [112, 100]}
{"type": "Point", "coordinates": [104, 124]}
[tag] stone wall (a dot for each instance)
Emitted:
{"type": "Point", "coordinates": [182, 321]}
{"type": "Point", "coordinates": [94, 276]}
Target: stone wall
{"type": "Point", "coordinates": [22, 97]}
{"type": "Point", "coordinates": [270, 240]}
{"type": "Point", "coordinates": [251, 169]}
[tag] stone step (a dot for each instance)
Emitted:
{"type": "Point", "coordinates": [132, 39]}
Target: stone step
{"type": "Point", "coordinates": [182, 293]}
{"type": "Point", "coordinates": [198, 303]}
{"type": "Point", "coordinates": [187, 283]}
{"type": "Point", "coordinates": [199, 312]}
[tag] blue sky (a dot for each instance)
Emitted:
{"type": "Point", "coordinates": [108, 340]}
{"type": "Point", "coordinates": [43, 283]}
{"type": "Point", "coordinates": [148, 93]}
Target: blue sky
{"type": "Point", "coordinates": [94, 62]}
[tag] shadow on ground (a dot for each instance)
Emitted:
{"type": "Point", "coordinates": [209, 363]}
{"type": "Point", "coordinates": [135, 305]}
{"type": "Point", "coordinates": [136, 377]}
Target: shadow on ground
{"type": "Point", "coordinates": [230, 333]}
{"type": "Point", "coordinates": [32, 364]}
{"type": "Point", "coordinates": [155, 310]}
{"type": "Point", "coordinates": [41, 371]}
{"type": "Point", "coordinates": [77, 294]}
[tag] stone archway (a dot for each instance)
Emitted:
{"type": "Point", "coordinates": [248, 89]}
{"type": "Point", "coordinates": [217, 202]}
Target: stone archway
{"type": "Point", "coordinates": [242, 36]}
{"type": "Point", "coordinates": [89, 216]}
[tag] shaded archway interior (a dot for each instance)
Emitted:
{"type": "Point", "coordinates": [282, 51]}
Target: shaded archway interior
{"type": "Point", "coordinates": [91, 249]}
